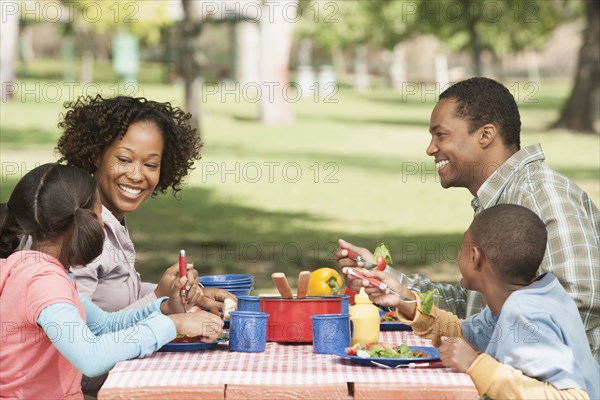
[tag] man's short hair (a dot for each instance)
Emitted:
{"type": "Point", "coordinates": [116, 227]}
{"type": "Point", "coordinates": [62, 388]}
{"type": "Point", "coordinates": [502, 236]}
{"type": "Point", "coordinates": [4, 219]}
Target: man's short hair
{"type": "Point", "coordinates": [512, 238]}
{"type": "Point", "coordinates": [483, 101]}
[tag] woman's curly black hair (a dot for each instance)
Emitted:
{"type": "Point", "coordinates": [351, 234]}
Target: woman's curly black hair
{"type": "Point", "coordinates": [93, 123]}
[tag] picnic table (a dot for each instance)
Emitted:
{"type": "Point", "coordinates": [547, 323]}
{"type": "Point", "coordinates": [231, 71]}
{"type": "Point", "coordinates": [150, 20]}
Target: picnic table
{"type": "Point", "coordinates": [284, 370]}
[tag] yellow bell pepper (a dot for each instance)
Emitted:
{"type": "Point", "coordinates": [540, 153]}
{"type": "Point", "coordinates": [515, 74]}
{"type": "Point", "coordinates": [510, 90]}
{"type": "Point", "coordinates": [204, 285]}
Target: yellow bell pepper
{"type": "Point", "coordinates": [324, 282]}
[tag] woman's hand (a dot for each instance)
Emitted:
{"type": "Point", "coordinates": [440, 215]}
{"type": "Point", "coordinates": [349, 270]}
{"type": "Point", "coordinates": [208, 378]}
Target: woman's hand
{"type": "Point", "coordinates": [213, 300]}
{"type": "Point", "coordinates": [457, 353]}
{"type": "Point", "coordinates": [172, 274]}
{"type": "Point", "coordinates": [343, 262]}
{"type": "Point", "coordinates": [175, 302]}
{"type": "Point", "coordinates": [200, 323]}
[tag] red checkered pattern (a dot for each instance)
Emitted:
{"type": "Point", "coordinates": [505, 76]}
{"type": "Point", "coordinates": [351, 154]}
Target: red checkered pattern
{"type": "Point", "coordinates": [280, 364]}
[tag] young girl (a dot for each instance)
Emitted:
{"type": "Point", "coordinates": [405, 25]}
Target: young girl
{"type": "Point", "coordinates": [135, 148]}
{"type": "Point", "coordinates": [49, 334]}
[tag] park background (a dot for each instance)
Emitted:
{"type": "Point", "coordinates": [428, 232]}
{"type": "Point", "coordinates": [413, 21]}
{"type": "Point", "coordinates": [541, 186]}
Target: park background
{"type": "Point", "coordinates": [314, 114]}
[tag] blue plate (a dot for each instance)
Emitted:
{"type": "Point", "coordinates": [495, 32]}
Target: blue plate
{"type": "Point", "coordinates": [392, 326]}
{"type": "Point", "coordinates": [434, 355]}
{"type": "Point", "coordinates": [196, 346]}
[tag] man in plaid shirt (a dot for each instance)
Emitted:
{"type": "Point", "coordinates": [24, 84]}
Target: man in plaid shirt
{"type": "Point", "coordinates": [475, 140]}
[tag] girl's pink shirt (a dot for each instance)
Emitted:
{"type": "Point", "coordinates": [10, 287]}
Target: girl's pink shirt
{"type": "Point", "coordinates": [32, 367]}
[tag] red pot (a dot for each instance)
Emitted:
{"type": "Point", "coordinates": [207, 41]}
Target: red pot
{"type": "Point", "coordinates": [289, 319]}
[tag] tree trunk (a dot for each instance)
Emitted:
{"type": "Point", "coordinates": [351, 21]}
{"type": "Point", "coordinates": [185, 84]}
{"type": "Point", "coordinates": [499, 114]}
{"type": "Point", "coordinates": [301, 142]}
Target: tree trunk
{"type": "Point", "coordinates": [191, 58]}
{"type": "Point", "coordinates": [86, 74]}
{"type": "Point", "coordinates": [339, 64]}
{"type": "Point", "coordinates": [277, 29]}
{"type": "Point", "coordinates": [361, 69]}
{"type": "Point", "coordinates": [27, 51]}
{"type": "Point", "coordinates": [475, 46]}
{"type": "Point", "coordinates": [580, 111]}
{"type": "Point", "coordinates": [9, 37]}
{"type": "Point", "coordinates": [473, 17]}
{"type": "Point", "coordinates": [442, 76]}
{"type": "Point", "coordinates": [397, 68]}
{"type": "Point", "coordinates": [248, 50]}
{"type": "Point", "coordinates": [533, 66]}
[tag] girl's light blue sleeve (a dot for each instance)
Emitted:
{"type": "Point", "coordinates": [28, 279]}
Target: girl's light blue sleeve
{"type": "Point", "coordinates": [100, 321]}
{"type": "Point", "coordinates": [95, 351]}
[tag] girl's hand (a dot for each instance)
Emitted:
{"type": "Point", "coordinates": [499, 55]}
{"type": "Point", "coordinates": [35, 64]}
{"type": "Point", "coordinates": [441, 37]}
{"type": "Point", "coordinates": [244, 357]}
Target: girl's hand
{"type": "Point", "coordinates": [170, 275]}
{"type": "Point", "coordinates": [457, 353]}
{"type": "Point", "coordinates": [212, 299]}
{"type": "Point", "coordinates": [200, 323]}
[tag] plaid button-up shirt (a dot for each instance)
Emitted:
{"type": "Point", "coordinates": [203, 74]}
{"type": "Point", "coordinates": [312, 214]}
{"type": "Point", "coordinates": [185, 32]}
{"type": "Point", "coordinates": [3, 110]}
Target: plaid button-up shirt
{"type": "Point", "coordinates": [573, 223]}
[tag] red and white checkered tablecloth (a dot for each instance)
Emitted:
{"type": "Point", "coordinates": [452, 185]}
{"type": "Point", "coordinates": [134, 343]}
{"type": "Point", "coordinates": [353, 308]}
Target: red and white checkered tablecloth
{"type": "Point", "coordinates": [280, 364]}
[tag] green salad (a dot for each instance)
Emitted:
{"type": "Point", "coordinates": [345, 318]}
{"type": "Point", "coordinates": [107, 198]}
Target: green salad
{"type": "Point", "coordinates": [383, 350]}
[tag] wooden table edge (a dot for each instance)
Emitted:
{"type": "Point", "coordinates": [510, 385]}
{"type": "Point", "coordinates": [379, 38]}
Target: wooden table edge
{"type": "Point", "coordinates": [183, 392]}
{"type": "Point", "coordinates": [402, 391]}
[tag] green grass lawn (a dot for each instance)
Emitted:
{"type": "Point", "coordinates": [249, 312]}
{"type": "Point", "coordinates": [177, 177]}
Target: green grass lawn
{"type": "Point", "coordinates": [266, 199]}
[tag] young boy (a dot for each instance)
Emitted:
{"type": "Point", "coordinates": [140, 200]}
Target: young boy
{"type": "Point", "coordinates": [529, 342]}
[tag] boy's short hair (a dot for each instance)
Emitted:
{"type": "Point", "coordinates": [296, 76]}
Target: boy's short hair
{"type": "Point", "coordinates": [512, 238]}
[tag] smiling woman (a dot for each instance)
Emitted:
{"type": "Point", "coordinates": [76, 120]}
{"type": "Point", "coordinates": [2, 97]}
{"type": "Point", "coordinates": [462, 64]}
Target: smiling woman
{"type": "Point", "coordinates": [128, 171]}
{"type": "Point", "coordinates": [135, 148]}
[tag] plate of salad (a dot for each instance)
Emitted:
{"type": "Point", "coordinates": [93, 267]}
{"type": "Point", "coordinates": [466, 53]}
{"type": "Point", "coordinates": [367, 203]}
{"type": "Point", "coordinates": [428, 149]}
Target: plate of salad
{"type": "Point", "coordinates": [192, 343]}
{"type": "Point", "coordinates": [389, 322]}
{"type": "Point", "coordinates": [390, 355]}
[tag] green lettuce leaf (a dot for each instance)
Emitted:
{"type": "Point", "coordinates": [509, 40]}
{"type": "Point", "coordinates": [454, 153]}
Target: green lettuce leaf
{"type": "Point", "coordinates": [427, 300]}
{"type": "Point", "coordinates": [383, 250]}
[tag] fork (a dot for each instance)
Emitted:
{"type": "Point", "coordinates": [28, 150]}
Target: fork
{"type": "Point", "coordinates": [378, 284]}
{"type": "Point", "coordinates": [409, 365]}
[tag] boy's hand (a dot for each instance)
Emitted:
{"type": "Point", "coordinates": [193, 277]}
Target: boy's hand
{"type": "Point", "coordinates": [343, 261]}
{"type": "Point", "coordinates": [457, 353]}
{"type": "Point", "coordinates": [200, 323]}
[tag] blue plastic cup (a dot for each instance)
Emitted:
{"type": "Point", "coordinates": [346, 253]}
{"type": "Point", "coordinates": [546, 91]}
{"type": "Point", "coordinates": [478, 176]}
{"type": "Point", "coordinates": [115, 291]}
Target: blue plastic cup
{"type": "Point", "coordinates": [248, 303]}
{"type": "Point", "coordinates": [248, 331]}
{"type": "Point", "coordinates": [331, 333]}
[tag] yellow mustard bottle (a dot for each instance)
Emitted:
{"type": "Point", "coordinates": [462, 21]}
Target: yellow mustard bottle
{"type": "Point", "coordinates": [365, 320]}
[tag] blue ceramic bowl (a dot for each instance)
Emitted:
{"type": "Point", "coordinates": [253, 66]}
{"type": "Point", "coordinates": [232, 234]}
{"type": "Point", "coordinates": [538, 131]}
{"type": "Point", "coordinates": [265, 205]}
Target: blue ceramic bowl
{"type": "Point", "coordinates": [226, 278]}
{"type": "Point", "coordinates": [241, 292]}
{"type": "Point", "coordinates": [229, 286]}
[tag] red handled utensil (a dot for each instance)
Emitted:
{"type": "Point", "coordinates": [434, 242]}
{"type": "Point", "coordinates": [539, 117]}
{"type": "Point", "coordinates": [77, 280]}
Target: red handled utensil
{"type": "Point", "coordinates": [368, 265]}
{"type": "Point", "coordinates": [182, 273]}
{"type": "Point", "coordinates": [378, 284]}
